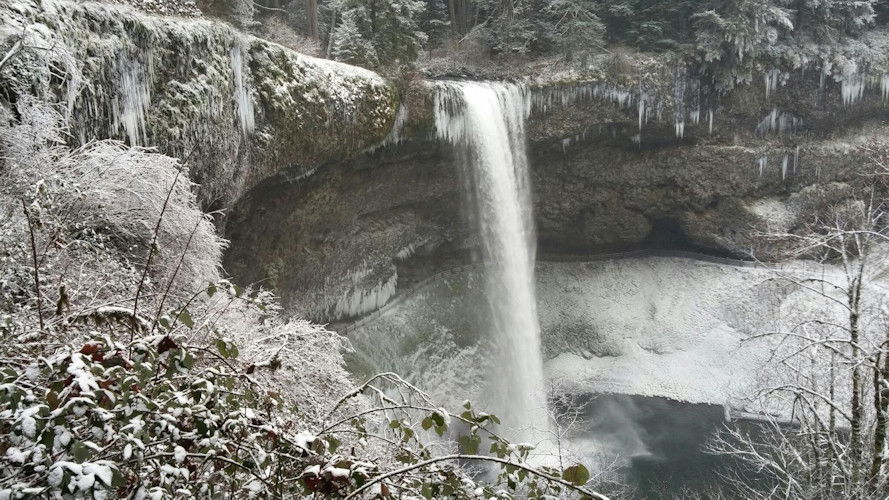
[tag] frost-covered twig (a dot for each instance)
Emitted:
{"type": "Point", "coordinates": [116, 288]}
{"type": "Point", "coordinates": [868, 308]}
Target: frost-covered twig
{"type": "Point", "coordinates": [35, 264]}
{"type": "Point", "coordinates": [153, 244]}
{"type": "Point", "coordinates": [16, 48]}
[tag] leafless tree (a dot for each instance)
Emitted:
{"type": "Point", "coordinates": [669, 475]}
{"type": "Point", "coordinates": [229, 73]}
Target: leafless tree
{"type": "Point", "coordinates": [819, 437]}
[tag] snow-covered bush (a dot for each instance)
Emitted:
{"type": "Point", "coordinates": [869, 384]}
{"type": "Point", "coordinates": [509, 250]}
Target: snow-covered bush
{"type": "Point", "coordinates": [159, 417]}
{"type": "Point", "coordinates": [103, 200]}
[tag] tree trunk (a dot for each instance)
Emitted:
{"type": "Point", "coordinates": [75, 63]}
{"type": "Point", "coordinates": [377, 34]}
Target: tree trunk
{"type": "Point", "coordinates": [452, 15]}
{"type": "Point", "coordinates": [857, 413]}
{"type": "Point", "coordinates": [312, 19]}
{"type": "Point", "coordinates": [332, 29]}
{"type": "Point", "coordinates": [459, 15]}
{"type": "Point", "coordinates": [881, 406]}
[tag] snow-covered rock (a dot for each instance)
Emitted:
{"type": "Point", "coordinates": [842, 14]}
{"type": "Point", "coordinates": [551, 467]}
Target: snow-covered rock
{"type": "Point", "coordinates": [238, 108]}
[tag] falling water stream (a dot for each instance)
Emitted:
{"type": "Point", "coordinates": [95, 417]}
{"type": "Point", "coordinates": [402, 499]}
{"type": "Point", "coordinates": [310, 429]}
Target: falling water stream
{"type": "Point", "coordinates": [486, 123]}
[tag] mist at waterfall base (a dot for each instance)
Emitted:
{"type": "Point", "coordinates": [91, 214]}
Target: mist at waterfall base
{"type": "Point", "coordinates": [486, 124]}
{"type": "Point", "coordinates": [657, 446]}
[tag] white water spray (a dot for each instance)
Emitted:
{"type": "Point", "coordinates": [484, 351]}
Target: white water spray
{"type": "Point", "coordinates": [486, 121]}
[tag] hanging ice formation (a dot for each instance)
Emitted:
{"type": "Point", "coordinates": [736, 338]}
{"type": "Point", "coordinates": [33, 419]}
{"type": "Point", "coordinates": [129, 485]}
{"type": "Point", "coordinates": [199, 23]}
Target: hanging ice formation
{"type": "Point", "coordinates": [853, 83]}
{"type": "Point", "coordinates": [772, 78]}
{"type": "Point", "coordinates": [762, 163]}
{"type": "Point", "coordinates": [680, 84]}
{"type": "Point", "coordinates": [884, 87]}
{"type": "Point", "coordinates": [853, 88]}
{"type": "Point", "coordinates": [778, 121]}
{"type": "Point", "coordinates": [359, 300]}
{"type": "Point", "coordinates": [243, 101]}
{"type": "Point", "coordinates": [395, 133]}
{"type": "Point", "coordinates": [486, 123]}
{"type": "Point", "coordinates": [131, 105]}
{"type": "Point", "coordinates": [686, 97]}
{"type": "Point", "coordinates": [544, 98]}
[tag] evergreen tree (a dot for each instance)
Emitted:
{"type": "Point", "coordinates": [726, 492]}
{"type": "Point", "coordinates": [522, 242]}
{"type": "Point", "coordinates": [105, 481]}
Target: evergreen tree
{"type": "Point", "coordinates": [384, 31]}
{"type": "Point", "coordinates": [348, 43]}
{"type": "Point", "coordinates": [650, 24]}
{"type": "Point", "coordinates": [577, 29]}
{"type": "Point", "coordinates": [830, 20]}
{"type": "Point", "coordinates": [510, 28]}
{"type": "Point", "coordinates": [435, 22]}
{"type": "Point", "coordinates": [741, 30]}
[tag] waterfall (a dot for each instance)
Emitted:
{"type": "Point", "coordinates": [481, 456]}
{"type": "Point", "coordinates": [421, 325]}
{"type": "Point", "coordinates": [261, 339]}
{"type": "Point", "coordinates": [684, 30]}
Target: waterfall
{"type": "Point", "coordinates": [486, 123]}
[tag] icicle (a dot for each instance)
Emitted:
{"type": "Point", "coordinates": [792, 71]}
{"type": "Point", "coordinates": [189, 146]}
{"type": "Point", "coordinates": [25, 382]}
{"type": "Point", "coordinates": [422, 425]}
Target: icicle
{"type": "Point", "coordinates": [853, 84]}
{"type": "Point", "coordinates": [680, 129]}
{"type": "Point", "coordinates": [884, 87]}
{"type": "Point", "coordinates": [710, 120]}
{"type": "Point", "coordinates": [356, 301]}
{"type": "Point", "coordinates": [771, 79]}
{"type": "Point", "coordinates": [795, 159]}
{"type": "Point", "coordinates": [780, 122]}
{"type": "Point", "coordinates": [395, 133]}
{"type": "Point", "coordinates": [853, 90]}
{"type": "Point", "coordinates": [641, 110]}
{"type": "Point", "coordinates": [762, 163]}
{"type": "Point", "coordinates": [784, 167]}
{"type": "Point", "coordinates": [696, 116]}
{"type": "Point", "coordinates": [131, 106]}
{"type": "Point", "coordinates": [243, 101]}
{"type": "Point", "coordinates": [565, 143]}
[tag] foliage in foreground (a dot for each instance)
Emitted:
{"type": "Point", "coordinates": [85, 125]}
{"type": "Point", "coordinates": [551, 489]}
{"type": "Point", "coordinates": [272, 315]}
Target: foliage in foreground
{"type": "Point", "coordinates": [156, 417]}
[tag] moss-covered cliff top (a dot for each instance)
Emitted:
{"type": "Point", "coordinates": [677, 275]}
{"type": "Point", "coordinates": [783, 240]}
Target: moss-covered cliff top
{"type": "Point", "coordinates": [238, 108]}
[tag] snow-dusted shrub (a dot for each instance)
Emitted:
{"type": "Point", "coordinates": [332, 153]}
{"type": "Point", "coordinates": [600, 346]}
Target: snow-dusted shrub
{"type": "Point", "coordinates": [131, 194]}
{"type": "Point", "coordinates": [145, 410]}
{"type": "Point", "coordinates": [106, 195]}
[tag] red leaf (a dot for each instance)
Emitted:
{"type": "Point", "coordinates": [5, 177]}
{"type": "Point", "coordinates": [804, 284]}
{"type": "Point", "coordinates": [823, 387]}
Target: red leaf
{"type": "Point", "coordinates": [91, 348]}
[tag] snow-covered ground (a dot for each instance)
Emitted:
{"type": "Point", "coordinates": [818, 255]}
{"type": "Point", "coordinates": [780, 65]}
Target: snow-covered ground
{"type": "Point", "coordinates": [656, 326]}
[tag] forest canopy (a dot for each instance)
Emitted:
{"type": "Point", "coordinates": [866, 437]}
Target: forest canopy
{"type": "Point", "coordinates": [727, 37]}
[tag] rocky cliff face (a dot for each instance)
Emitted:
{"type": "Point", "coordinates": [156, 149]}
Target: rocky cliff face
{"type": "Point", "coordinates": [601, 184]}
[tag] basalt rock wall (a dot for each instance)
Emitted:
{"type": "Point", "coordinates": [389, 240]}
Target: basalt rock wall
{"type": "Point", "coordinates": [341, 244]}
